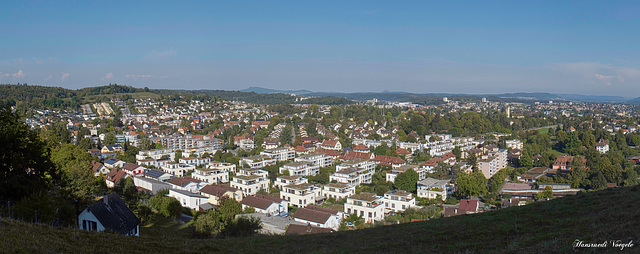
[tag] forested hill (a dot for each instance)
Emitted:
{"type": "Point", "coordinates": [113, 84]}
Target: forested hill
{"type": "Point", "coordinates": [46, 97]}
{"type": "Point", "coordinates": [543, 227]}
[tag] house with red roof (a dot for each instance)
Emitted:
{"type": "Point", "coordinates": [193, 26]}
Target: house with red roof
{"type": "Point", "coordinates": [331, 145]}
{"type": "Point", "coordinates": [394, 162]}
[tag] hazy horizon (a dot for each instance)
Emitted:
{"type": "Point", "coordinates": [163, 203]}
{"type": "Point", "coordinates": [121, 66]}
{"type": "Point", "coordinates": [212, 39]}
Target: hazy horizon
{"type": "Point", "coordinates": [584, 47]}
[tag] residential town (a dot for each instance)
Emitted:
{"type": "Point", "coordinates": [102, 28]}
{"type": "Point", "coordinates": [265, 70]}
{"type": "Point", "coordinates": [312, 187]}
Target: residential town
{"type": "Point", "coordinates": [334, 168]}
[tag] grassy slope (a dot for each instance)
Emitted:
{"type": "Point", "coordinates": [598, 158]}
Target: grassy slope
{"type": "Point", "coordinates": [546, 227]}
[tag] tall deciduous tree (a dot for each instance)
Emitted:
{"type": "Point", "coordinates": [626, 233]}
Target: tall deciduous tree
{"type": "Point", "coordinates": [473, 184]}
{"type": "Point", "coordinates": [407, 180]}
{"type": "Point", "coordinates": [25, 166]}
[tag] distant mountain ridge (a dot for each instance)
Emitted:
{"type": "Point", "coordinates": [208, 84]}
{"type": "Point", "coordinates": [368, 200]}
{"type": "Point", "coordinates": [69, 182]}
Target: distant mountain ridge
{"type": "Point", "coordinates": [262, 90]}
{"type": "Point", "coordinates": [407, 96]}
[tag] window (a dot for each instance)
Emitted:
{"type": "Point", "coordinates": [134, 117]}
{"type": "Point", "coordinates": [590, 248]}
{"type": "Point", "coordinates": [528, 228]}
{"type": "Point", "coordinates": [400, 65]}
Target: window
{"type": "Point", "coordinates": [348, 210]}
{"type": "Point", "coordinates": [362, 213]}
{"type": "Point", "coordinates": [393, 205]}
{"type": "Point", "coordinates": [89, 225]}
{"type": "Point", "coordinates": [402, 207]}
{"type": "Point", "coordinates": [369, 214]}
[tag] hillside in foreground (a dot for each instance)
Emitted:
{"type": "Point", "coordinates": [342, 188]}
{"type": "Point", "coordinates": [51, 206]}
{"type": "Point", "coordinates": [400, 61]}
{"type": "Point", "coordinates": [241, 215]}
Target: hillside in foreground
{"type": "Point", "coordinates": [547, 227]}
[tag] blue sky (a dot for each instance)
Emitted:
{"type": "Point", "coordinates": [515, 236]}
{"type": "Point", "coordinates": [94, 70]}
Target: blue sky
{"type": "Point", "coordinates": [585, 47]}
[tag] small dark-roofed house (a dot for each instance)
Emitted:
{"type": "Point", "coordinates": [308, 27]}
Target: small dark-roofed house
{"type": "Point", "coordinates": [110, 214]}
{"type": "Point", "coordinates": [266, 204]}
{"type": "Point", "coordinates": [319, 216]}
{"type": "Point", "coordinates": [295, 229]}
{"type": "Point", "coordinates": [157, 175]}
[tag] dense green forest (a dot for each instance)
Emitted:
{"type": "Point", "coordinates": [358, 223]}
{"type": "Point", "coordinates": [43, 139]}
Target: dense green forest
{"type": "Point", "coordinates": [45, 97]}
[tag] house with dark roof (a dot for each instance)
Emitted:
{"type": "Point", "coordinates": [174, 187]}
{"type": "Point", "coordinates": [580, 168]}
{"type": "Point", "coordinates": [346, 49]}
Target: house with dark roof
{"type": "Point", "coordinates": [157, 175]}
{"type": "Point", "coordinates": [114, 163]}
{"type": "Point", "coordinates": [319, 216]}
{"type": "Point", "coordinates": [109, 214]}
{"type": "Point", "coordinates": [266, 204]}
{"type": "Point", "coordinates": [215, 193]}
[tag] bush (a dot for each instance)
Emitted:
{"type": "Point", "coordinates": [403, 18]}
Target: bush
{"type": "Point", "coordinates": [242, 227]}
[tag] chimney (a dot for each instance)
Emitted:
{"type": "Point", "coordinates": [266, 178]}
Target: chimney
{"type": "Point", "coordinates": [309, 228]}
{"type": "Point", "coordinates": [106, 199]}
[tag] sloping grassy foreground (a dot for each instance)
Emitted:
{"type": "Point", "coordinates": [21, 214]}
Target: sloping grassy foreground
{"type": "Point", "coordinates": [543, 227]}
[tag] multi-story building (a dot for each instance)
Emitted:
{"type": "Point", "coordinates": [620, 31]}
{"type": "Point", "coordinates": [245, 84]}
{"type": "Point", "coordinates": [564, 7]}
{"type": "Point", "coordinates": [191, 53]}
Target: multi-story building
{"type": "Point", "coordinates": [195, 161]}
{"type": "Point", "coordinates": [366, 205]}
{"type": "Point", "coordinates": [300, 169]}
{"type": "Point", "coordinates": [280, 154]}
{"type": "Point", "coordinates": [301, 195]}
{"type": "Point", "coordinates": [398, 200]}
{"type": "Point", "coordinates": [391, 176]}
{"type": "Point", "coordinates": [289, 180]}
{"type": "Point", "coordinates": [250, 184]}
{"type": "Point", "coordinates": [211, 175]}
{"type": "Point", "coordinates": [338, 191]}
{"type": "Point", "coordinates": [352, 176]}
{"type": "Point", "coordinates": [319, 159]}
{"type": "Point", "coordinates": [514, 144]}
{"type": "Point", "coordinates": [432, 188]}
{"type": "Point", "coordinates": [488, 165]}
{"type": "Point", "coordinates": [177, 169]}
{"type": "Point", "coordinates": [156, 154]}
{"type": "Point", "coordinates": [258, 161]}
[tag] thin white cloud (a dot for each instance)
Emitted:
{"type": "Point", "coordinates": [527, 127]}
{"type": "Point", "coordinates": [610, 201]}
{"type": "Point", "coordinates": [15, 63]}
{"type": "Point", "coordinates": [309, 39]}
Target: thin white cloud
{"type": "Point", "coordinates": [18, 74]}
{"type": "Point", "coordinates": [107, 76]}
{"type": "Point", "coordinates": [138, 76]}
{"type": "Point", "coordinates": [65, 76]}
{"type": "Point", "coordinates": [605, 79]}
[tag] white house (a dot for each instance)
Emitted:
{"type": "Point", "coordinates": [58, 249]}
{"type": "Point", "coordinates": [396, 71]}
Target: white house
{"type": "Point", "coordinates": [391, 176]}
{"type": "Point", "coordinates": [216, 192]}
{"type": "Point", "coordinates": [398, 200]}
{"type": "Point", "coordinates": [353, 175]}
{"type": "Point", "coordinates": [110, 214]}
{"type": "Point", "coordinates": [280, 154]}
{"type": "Point", "coordinates": [177, 169]}
{"type": "Point", "coordinates": [150, 185]}
{"type": "Point", "coordinates": [114, 163]}
{"type": "Point", "coordinates": [191, 200]}
{"type": "Point", "coordinates": [514, 144]}
{"type": "Point", "coordinates": [258, 161]}
{"type": "Point", "coordinates": [301, 195]}
{"type": "Point", "coordinates": [187, 184]}
{"type": "Point", "coordinates": [319, 216]}
{"type": "Point", "coordinates": [194, 161]}
{"type": "Point", "coordinates": [99, 169]}
{"type": "Point", "coordinates": [366, 205]}
{"type": "Point", "coordinates": [319, 159]}
{"type": "Point", "coordinates": [266, 204]}
{"type": "Point", "coordinates": [211, 176]}
{"type": "Point", "coordinates": [338, 191]}
{"type": "Point", "coordinates": [602, 146]}
{"type": "Point", "coordinates": [250, 184]}
{"type": "Point", "coordinates": [288, 180]}
{"type": "Point", "coordinates": [430, 188]}
{"type": "Point", "coordinates": [300, 169]}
